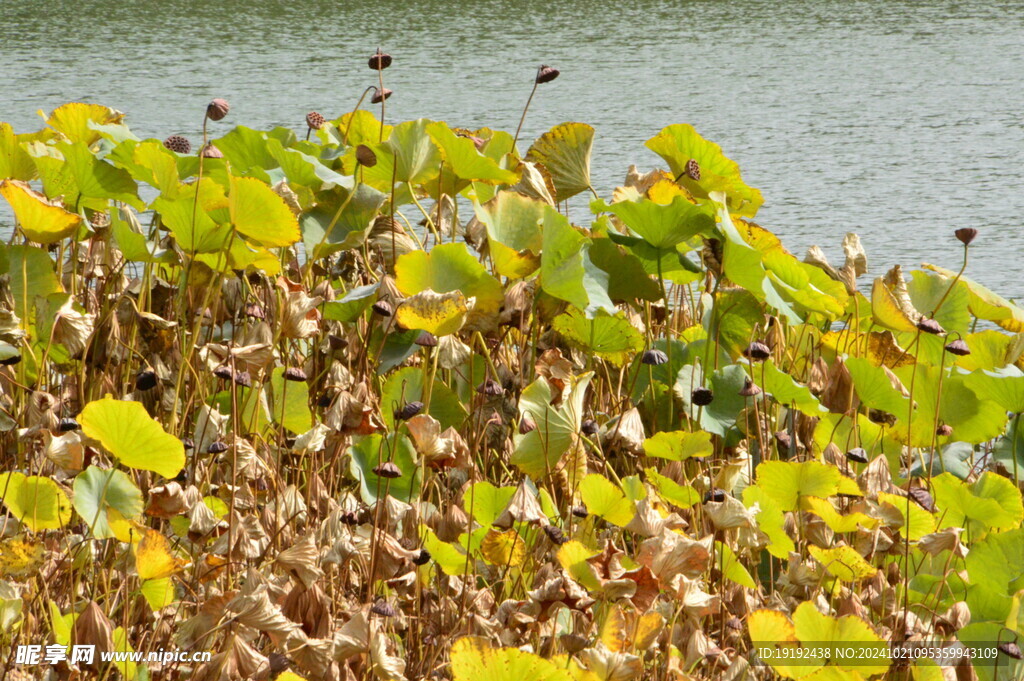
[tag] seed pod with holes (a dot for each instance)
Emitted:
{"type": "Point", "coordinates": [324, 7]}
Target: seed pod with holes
{"type": "Point", "coordinates": [315, 120]}
{"type": "Point", "coordinates": [692, 170]}
{"type": "Point", "coordinates": [178, 144]}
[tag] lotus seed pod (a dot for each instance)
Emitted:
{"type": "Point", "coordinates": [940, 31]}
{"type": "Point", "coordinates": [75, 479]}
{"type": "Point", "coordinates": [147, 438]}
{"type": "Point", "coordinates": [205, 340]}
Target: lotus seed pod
{"type": "Point", "coordinates": [580, 511]}
{"type": "Point", "coordinates": [178, 144]}
{"type": "Point", "coordinates": [692, 170]}
{"type": "Point", "coordinates": [187, 443]}
{"type": "Point", "coordinates": [377, 97]}
{"type": "Point", "coordinates": [526, 425]}
{"type": "Point", "coordinates": [145, 380]}
{"type": "Point", "coordinates": [589, 427]}
{"type": "Point", "coordinates": [922, 498]}
{"type": "Point", "coordinates": [546, 74]}
{"type": "Point", "coordinates": [224, 372]}
{"type": "Point", "coordinates": [702, 397]}
{"type": "Point", "coordinates": [653, 357]}
{"type": "Point", "coordinates": [278, 664]}
{"type": "Point", "coordinates": [217, 109]}
{"type": "Point", "coordinates": [1011, 649]}
{"type": "Point", "coordinates": [217, 448]}
{"type": "Point", "coordinates": [958, 348]}
{"type": "Point", "coordinates": [408, 411]}
{"type": "Point", "coordinates": [243, 379]}
{"type": "Point", "coordinates": [210, 151]}
{"type": "Point", "coordinates": [966, 235]}
{"type": "Point", "coordinates": [379, 61]}
{"type": "Point", "coordinates": [757, 351]}
{"type": "Point", "coordinates": [426, 340]}
{"type": "Point", "coordinates": [388, 470]}
{"type": "Point", "coordinates": [945, 430]}
{"type": "Point", "coordinates": [294, 374]}
{"type": "Point", "coordinates": [422, 559]}
{"type": "Point", "coordinates": [383, 308]}
{"type": "Point", "coordinates": [714, 494]}
{"type": "Point", "coordinates": [555, 534]}
{"type": "Point", "coordinates": [783, 440]}
{"type": "Point", "coordinates": [10, 361]}
{"type": "Point", "coordinates": [857, 455]}
{"type": "Point", "coordinates": [931, 326]}
{"type": "Point", "coordinates": [383, 608]}
{"type": "Point", "coordinates": [67, 425]}
{"type": "Point", "coordinates": [315, 120]}
{"type": "Point", "coordinates": [365, 156]}
{"type": "Point", "coordinates": [749, 389]}
{"type": "Point", "coordinates": [490, 387]}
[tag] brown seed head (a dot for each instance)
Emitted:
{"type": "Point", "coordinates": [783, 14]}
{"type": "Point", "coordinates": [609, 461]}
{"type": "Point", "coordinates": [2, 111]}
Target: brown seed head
{"type": "Point", "coordinates": [958, 348]}
{"type": "Point", "coordinates": [931, 326]}
{"type": "Point", "coordinates": [692, 170]}
{"type": "Point", "coordinates": [408, 411]}
{"type": "Point", "coordinates": [388, 470]}
{"type": "Point", "coordinates": [217, 109]}
{"type": "Point", "coordinates": [653, 357]}
{"type": "Point", "coordinates": [315, 120]}
{"type": "Point", "coordinates": [210, 151]}
{"type": "Point", "coordinates": [178, 144]}
{"type": "Point", "coordinates": [702, 397]}
{"type": "Point", "coordinates": [546, 74]}
{"type": "Point", "coordinates": [294, 374]}
{"type": "Point", "coordinates": [857, 455]}
{"type": "Point", "coordinates": [365, 156]}
{"type": "Point", "coordinates": [379, 61]}
{"type": "Point", "coordinates": [757, 351]}
{"type": "Point", "coordinates": [377, 97]}
{"type": "Point", "coordinates": [966, 235]}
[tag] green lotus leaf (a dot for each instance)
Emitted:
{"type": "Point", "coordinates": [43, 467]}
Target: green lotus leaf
{"type": "Point", "coordinates": [956, 458]}
{"type": "Point", "coordinates": [725, 383]}
{"type": "Point", "coordinates": [246, 149]}
{"type": "Point", "coordinates": [406, 385]}
{"type": "Point", "coordinates": [192, 227]}
{"type": "Point", "coordinates": [448, 558]}
{"type": "Point", "coordinates": [450, 267]}
{"type": "Point", "coordinates": [771, 520]}
{"type": "Point", "coordinates": [606, 500]}
{"type": "Point", "coordinates": [564, 271]}
{"type": "Point", "coordinates": [610, 337]}
{"type": "Point", "coordinates": [37, 502]}
{"type": "Point", "coordinates": [289, 402]}
{"type": "Point", "coordinates": [473, 658]}
{"type": "Point", "coordinates": [39, 219]}
{"type": "Point", "coordinates": [627, 278]}
{"type": "Point", "coordinates": [371, 451]}
{"type": "Point", "coordinates": [731, 567]}
{"type": "Point", "coordinates": [683, 496]}
{"type": "Point", "coordinates": [538, 452]}
{"type": "Point", "coordinates": [990, 503]}
{"type": "Point", "coordinates": [874, 388]}
{"type": "Point", "coordinates": [973, 419]}
{"type": "Point", "coordinates": [513, 223]}
{"type": "Point", "coordinates": [815, 629]}
{"type": "Point", "coordinates": [805, 285]}
{"type": "Point", "coordinates": [305, 170]}
{"type": "Point", "coordinates": [987, 305]}
{"type": "Point", "coordinates": [15, 163]}
{"type": "Point", "coordinates": [150, 162]}
{"type": "Point", "coordinates": [97, 179]}
{"type": "Point", "coordinates": [679, 144]}
{"type": "Point", "coordinates": [466, 163]}
{"type": "Point", "coordinates": [1005, 388]}
{"type": "Point", "coordinates": [663, 226]}
{"type": "Point", "coordinates": [990, 350]}
{"type": "Point", "coordinates": [679, 445]}
{"type": "Point", "coordinates": [98, 491]}
{"type": "Point", "coordinates": [565, 152]}
{"type": "Point", "coordinates": [260, 214]}
{"type": "Point", "coordinates": [786, 391]}
{"type": "Point", "coordinates": [355, 128]}
{"type": "Point", "coordinates": [352, 305]}
{"type": "Point", "coordinates": [32, 275]}
{"type": "Point", "coordinates": [485, 502]}
{"type": "Point", "coordinates": [441, 314]}
{"type": "Point", "coordinates": [129, 433]}
{"type": "Point", "coordinates": [917, 522]}
{"type": "Point", "coordinates": [341, 223]}
{"type": "Point", "coordinates": [979, 638]}
{"type": "Point", "coordinates": [928, 290]}
{"type": "Point", "coordinates": [785, 482]}
{"type": "Point", "coordinates": [159, 593]}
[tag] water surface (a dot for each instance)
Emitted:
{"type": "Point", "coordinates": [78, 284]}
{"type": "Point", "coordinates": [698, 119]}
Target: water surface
{"type": "Point", "coordinates": [898, 120]}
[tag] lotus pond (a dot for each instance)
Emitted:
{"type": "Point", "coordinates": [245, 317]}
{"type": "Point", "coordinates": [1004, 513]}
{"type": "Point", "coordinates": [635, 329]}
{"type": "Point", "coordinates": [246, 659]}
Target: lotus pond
{"type": "Point", "coordinates": [362, 402]}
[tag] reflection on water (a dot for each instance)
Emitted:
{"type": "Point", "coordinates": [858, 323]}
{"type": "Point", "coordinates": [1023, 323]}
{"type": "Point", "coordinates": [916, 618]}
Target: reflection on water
{"type": "Point", "coordinates": [898, 120]}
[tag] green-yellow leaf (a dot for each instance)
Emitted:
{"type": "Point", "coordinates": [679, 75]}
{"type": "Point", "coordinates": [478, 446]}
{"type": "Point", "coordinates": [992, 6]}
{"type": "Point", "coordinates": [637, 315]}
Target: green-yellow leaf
{"type": "Point", "coordinates": [38, 502]}
{"type": "Point", "coordinates": [679, 445]}
{"type": "Point", "coordinates": [565, 152]}
{"type": "Point", "coordinates": [129, 433]}
{"type": "Point", "coordinates": [41, 220]}
{"type": "Point", "coordinates": [260, 214]}
{"type": "Point", "coordinates": [605, 500]}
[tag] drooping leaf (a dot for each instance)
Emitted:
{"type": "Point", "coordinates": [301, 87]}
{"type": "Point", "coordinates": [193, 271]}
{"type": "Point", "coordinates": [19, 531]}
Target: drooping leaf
{"type": "Point", "coordinates": [75, 120]}
{"type": "Point", "coordinates": [538, 452]}
{"type": "Point", "coordinates": [565, 152]}
{"type": "Point", "coordinates": [446, 268]}
{"type": "Point", "coordinates": [843, 562]}
{"type": "Point", "coordinates": [514, 233]}
{"type": "Point", "coordinates": [154, 558]}
{"type": "Point", "coordinates": [32, 275]}
{"type": "Point", "coordinates": [466, 163]}
{"type": "Point", "coordinates": [41, 220]}
{"type": "Point", "coordinates": [99, 492]}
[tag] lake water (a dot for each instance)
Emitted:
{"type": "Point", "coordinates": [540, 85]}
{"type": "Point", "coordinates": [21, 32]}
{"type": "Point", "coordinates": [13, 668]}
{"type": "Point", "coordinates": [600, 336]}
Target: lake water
{"type": "Point", "coordinates": [898, 120]}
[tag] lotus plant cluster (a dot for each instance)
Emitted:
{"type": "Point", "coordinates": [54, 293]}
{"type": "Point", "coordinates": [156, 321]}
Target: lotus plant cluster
{"type": "Point", "coordinates": [359, 400]}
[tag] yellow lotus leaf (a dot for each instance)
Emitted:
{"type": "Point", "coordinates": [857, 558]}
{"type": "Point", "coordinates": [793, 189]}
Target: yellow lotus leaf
{"type": "Point", "coordinates": [772, 629]}
{"type": "Point", "coordinates": [787, 481]}
{"type": "Point", "coordinates": [573, 558]}
{"type": "Point", "coordinates": [40, 219]}
{"type": "Point", "coordinates": [38, 502]}
{"type": "Point", "coordinates": [438, 313]}
{"type": "Point", "coordinates": [886, 309]}
{"type": "Point", "coordinates": [844, 563]}
{"type": "Point", "coordinates": [159, 593]}
{"type": "Point", "coordinates": [73, 120]}
{"type": "Point", "coordinates": [473, 659]}
{"type": "Point", "coordinates": [260, 214]}
{"type": "Point", "coordinates": [837, 522]}
{"type": "Point", "coordinates": [503, 548]}
{"type": "Point", "coordinates": [153, 557]}
{"type": "Point", "coordinates": [565, 152]}
{"type": "Point", "coordinates": [20, 558]}
{"type": "Point", "coordinates": [131, 435]}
